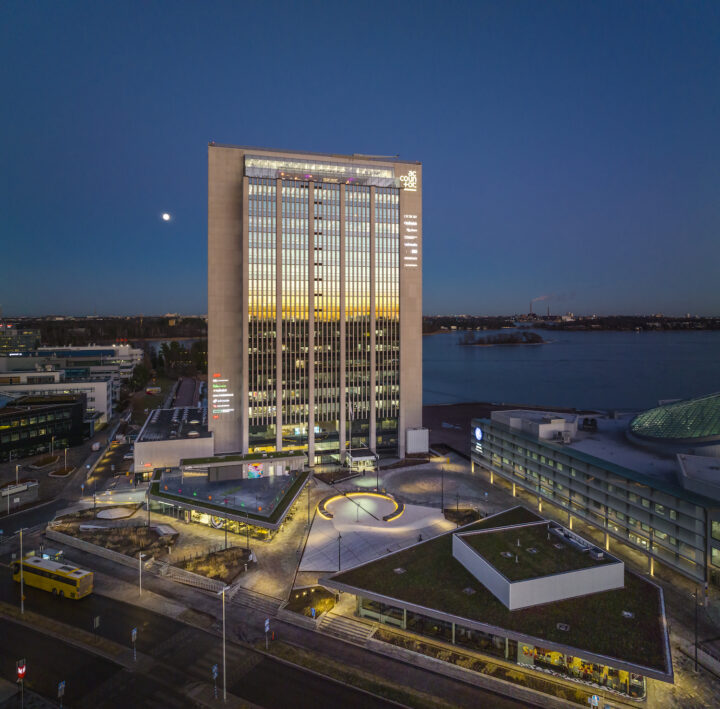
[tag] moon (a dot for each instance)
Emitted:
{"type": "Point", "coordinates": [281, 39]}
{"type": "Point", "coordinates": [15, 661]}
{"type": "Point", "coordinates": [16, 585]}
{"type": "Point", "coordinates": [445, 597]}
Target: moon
{"type": "Point", "coordinates": [166, 217]}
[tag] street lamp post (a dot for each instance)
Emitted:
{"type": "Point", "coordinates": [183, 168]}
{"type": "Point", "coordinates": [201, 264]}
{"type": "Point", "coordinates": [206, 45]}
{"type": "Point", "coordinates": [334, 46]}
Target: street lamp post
{"type": "Point", "coordinates": [22, 577]}
{"type": "Point", "coordinates": [222, 592]}
{"type": "Point", "coordinates": [52, 444]}
{"type": "Point", "coordinates": [65, 463]}
{"type": "Point", "coordinates": [339, 538]}
{"type": "Point", "coordinates": [377, 472]}
{"type": "Point", "coordinates": [442, 488]}
{"type": "Point", "coordinates": [17, 468]}
{"type": "Point", "coordinates": [696, 628]}
{"type": "Point", "coordinates": [140, 558]}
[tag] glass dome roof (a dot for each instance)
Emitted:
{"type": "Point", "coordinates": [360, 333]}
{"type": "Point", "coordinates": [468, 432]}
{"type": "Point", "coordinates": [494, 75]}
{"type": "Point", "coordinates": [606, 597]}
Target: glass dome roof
{"type": "Point", "coordinates": [682, 420]}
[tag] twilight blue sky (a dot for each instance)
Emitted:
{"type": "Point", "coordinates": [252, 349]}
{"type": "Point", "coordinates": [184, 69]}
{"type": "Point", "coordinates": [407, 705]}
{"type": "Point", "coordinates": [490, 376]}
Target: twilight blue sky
{"type": "Point", "coordinates": [570, 149]}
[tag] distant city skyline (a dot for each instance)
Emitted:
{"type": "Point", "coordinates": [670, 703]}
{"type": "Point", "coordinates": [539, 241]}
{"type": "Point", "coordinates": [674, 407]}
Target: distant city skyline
{"type": "Point", "coordinates": [570, 150]}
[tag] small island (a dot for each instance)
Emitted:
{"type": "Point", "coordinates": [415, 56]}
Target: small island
{"type": "Point", "coordinates": [515, 338]}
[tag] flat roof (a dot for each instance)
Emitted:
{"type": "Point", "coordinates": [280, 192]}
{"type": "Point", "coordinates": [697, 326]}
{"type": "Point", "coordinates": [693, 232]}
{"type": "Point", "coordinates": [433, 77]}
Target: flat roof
{"type": "Point", "coordinates": [609, 448]}
{"type": "Point", "coordinates": [529, 552]}
{"type": "Point", "coordinates": [262, 502]}
{"type": "Point", "coordinates": [23, 403]}
{"type": "Point", "coordinates": [175, 424]}
{"type": "Point", "coordinates": [334, 156]}
{"type": "Point", "coordinates": [434, 582]}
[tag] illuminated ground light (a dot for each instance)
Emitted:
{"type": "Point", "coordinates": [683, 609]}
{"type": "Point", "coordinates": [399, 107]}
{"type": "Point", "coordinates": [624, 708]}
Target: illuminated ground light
{"type": "Point", "coordinates": [399, 507]}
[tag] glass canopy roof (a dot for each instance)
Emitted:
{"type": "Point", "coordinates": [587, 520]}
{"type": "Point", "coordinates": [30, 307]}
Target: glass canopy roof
{"type": "Point", "coordinates": [693, 418]}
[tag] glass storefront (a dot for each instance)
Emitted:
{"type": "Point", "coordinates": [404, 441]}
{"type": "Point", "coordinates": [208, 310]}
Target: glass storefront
{"type": "Point", "coordinates": [529, 656]}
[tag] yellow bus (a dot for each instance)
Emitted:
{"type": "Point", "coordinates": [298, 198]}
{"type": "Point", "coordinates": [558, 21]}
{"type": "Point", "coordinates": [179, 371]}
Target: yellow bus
{"type": "Point", "coordinates": [58, 578]}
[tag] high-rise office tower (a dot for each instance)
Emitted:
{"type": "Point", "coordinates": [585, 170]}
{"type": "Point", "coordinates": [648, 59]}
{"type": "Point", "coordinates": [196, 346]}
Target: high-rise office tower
{"type": "Point", "coordinates": [314, 301]}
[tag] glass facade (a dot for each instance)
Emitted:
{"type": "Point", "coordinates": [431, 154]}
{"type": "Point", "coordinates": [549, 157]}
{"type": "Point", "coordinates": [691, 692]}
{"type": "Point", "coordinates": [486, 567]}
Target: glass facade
{"type": "Point", "coordinates": [323, 306]}
{"type": "Point", "coordinates": [497, 645]}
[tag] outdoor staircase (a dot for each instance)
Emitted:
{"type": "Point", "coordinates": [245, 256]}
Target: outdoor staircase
{"type": "Point", "coordinates": [345, 628]}
{"type": "Point", "coordinates": [268, 605]}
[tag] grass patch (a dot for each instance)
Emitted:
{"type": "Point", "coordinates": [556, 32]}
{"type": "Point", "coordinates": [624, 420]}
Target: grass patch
{"type": "Point", "coordinates": [355, 678]}
{"type": "Point", "coordinates": [61, 472]}
{"type": "Point", "coordinates": [435, 580]}
{"type": "Point", "coordinates": [303, 600]}
{"type": "Point", "coordinates": [545, 559]}
{"type": "Point", "coordinates": [44, 461]}
{"type": "Point", "coordinates": [224, 565]}
{"type": "Point", "coordinates": [462, 516]}
{"type": "Point", "coordinates": [142, 401]}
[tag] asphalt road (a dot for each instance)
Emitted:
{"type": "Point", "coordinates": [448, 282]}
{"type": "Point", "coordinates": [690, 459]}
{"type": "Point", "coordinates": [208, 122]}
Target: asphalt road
{"type": "Point", "coordinates": [182, 656]}
{"type": "Point", "coordinates": [50, 661]}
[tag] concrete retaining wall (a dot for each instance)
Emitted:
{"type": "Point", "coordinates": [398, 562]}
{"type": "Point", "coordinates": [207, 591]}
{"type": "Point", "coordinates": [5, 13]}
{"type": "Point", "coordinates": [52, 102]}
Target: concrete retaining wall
{"type": "Point", "coordinates": [191, 579]}
{"type": "Point", "coordinates": [302, 621]}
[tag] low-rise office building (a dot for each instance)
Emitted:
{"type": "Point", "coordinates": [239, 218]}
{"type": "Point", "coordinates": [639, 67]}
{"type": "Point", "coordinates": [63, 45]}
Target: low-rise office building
{"type": "Point", "coordinates": [98, 393]}
{"type": "Point", "coordinates": [32, 425]}
{"type": "Point", "coordinates": [655, 499]}
{"type": "Point", "coordinates": [17, 339]}
{"type": "Point", "coordinates": [575, 611]}
{"type": "Point", "coordinates": [168, 436]}
{"type": "Point", "coordinates": [117, 361]}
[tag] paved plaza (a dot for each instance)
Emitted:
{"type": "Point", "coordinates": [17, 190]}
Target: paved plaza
{"type": "Point", "coordinates": [364, 535]}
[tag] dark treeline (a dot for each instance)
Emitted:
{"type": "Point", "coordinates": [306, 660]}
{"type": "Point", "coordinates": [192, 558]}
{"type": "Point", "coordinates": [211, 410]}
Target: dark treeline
{"type": "Point", "coordinates": [103, 331]}
{"type": "Point", "coordinates": [435, 323]}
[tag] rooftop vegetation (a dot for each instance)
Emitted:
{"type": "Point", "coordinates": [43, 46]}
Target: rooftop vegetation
{"type": "Point", "coordinates": [530, 552]}
{"type": "Point", "coordinates": [435, 580]}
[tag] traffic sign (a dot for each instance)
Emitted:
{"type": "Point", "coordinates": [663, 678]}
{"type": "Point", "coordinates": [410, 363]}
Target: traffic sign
{"type": "Point", "coordinates": [214, 671]}
{"type": "Point", "coordinates": [96, 622]}
{"type": "Point", "coordinates": [133, 634]}
{"type": "Point", "coordinates": [21, 667]}
{"type": "Point", "coordinates": [61, 689]}
{"type": "Point", "coordinates": [267, 625]}
{"type": "Point", "coordinates": [594, 700]}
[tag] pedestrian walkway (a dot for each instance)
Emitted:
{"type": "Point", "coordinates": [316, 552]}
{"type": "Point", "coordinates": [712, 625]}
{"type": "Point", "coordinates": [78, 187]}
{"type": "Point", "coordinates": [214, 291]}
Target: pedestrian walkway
{"type": "Point", "coordinates": [350, 539]}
